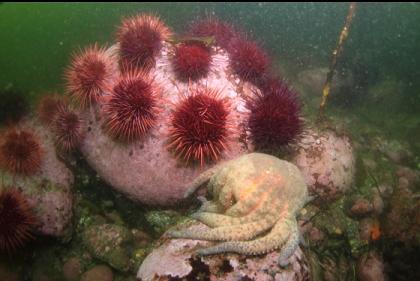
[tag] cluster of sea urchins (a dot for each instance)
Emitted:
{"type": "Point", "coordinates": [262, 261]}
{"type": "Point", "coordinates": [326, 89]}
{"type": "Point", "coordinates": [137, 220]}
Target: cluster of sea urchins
{"type": "Point", "coordinates": [20, 155]}
{"type": "Point", "coordinates": [57, 114]}
{"type": "Point", "coordinates": [199, 129]}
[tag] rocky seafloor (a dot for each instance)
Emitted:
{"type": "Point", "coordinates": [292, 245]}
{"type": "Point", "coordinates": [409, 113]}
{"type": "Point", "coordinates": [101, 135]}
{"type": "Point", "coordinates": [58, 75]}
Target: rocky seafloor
{"type": "Point", "coordinates": [370, 233]}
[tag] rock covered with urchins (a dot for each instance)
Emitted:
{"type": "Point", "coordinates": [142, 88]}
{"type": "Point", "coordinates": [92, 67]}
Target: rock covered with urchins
{"type": "Point", "coordinates": [159, 110]}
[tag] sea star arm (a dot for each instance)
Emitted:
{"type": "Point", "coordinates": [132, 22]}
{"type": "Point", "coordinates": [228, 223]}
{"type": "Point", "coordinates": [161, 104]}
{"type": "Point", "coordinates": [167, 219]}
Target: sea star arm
{"type": "Point", "coordinates": [290, 246]}
{"type": "Point", "coordinates": [275, 239]}
{"type": "Point", "coordinates": [201, 179]}
{"type": "Point", "coordinates": [242, 207]}
{"type": "Point", "coordinates": [213, 219]}
{"type": "Point", "coordinates": [209, 206]}
{"type": "Point", "coordinates": [270, 209]}
{"type": "Point", "coordinates": [225, 197]}
{"type": "Point", "coordinates": [226, 233]}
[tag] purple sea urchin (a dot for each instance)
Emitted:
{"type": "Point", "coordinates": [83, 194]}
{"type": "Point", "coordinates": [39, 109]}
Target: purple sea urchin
{"type": "Point", "coordinates": [274, 119]}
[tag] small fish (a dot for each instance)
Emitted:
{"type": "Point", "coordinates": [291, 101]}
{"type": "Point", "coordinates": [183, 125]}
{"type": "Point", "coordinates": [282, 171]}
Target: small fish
{"type": "Point", "coordinates": [206, 40]}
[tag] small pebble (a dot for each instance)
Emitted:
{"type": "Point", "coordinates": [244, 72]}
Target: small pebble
{"type": "Point", "coordinates": [98, 273]}
{"type": "Point", "coordinates": [370, 267]}
{"type": "Point", "coordinates": [72, 269]}
{"type": "Point", "coordinates": [369, 163]}
{"type": "Point", "coordinates": [411, 175]}
{"type": "Point", "coordinates": [141, 238]}
{"type": "Point", "coordinates": [361, 207]}
{"type": "Point", "coordinates": [378, 204]}
{"type": "Point", "coordinates": [403, 183]}
{"type": "Point", "coordinates": [316, 235]}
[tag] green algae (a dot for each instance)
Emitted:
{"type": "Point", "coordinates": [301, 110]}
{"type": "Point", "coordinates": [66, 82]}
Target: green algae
{"type": "Point", "coordinates": [109, 243]}
{"type": "Point", "coordinates": [342, 231]}
{"type": "Point", "coordinates": [162, 220]}
{"type": "Point", "coordinates": [30, 185]}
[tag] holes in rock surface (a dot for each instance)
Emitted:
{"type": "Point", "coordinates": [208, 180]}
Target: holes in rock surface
{"type": "Point", "coordinates": [246, 278]}
{"type": "Point", "coordinates": [226, 267]}
{"type": "Point", "coordinates": [200, 272]}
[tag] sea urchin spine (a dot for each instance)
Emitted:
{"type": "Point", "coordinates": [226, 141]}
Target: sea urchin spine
{"type": "Point", "coordinates": [20, 152]}
{"type": "Point", "coordinates": [17, 221]}
{"type": "Point", "coordinates": [221, 31]}
{"type": "Point", "coordinates": [48, 107]}
{"type": "Point", "coordinates": [140, 40]}
{"type": "Point", "coordinates": [200, 127]}
{"type": "Point", "coordinates": [68, 128]}
{"type": "Point", "coordinates": [131, 110]}
{"type": "Point", "coordinates": [247, 60]}
{"type": "Point", "coordinates": [274, 119]}
{"type": "Point", "coordinates": [192, 61]}
{"type": "Point", "coordinates": [90, 74]}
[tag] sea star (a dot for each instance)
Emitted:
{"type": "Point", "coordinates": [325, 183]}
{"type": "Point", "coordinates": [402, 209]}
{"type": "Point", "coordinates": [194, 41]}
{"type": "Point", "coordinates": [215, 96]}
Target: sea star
{"type": "Point", "coordinates": [255, 201]}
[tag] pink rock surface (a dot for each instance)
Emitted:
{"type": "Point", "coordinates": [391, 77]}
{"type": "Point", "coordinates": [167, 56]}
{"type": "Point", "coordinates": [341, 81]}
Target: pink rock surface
{"type": "Point", "coordinates": [49, 190]}
{"type": "Point", "coordinates": [145, 170]}
{"type": "Point", "coordinates": [52, 168]}
{"type": "Point", "coordinates": [54, 211]}
{"type": "Point", "coordinates": [175, 259]}
{"type": "Point", "coordinates": [327, 163]}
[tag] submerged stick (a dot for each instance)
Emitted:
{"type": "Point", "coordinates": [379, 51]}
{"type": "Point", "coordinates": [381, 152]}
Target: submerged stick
{"type": "Point", "coordinates": [335, 54]}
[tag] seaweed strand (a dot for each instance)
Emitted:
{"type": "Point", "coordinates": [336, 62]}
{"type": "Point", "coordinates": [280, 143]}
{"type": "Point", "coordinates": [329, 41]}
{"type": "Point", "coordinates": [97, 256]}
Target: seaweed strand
{"type": "Point", "coordinates": [335, 55]}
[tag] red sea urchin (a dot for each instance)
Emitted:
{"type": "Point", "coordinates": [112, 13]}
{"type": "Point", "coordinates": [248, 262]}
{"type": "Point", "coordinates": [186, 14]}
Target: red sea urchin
{"type": "Point", "coordinates": [140, 38]}
{"type": "Point", "coordinates": [90, 74]}
{"type": "Point", "coordinates": [247, 60]}
{"type": "Point", "coordinates": [274, 119]}
{"type": "Point", "coordinates": [16, 221]}
{"type": "Point", "coordinates": [200, 128]}
{"type": "Point", "coordinates": [221, 31]}
{"type": "Point", "coordinates": [131, 109]}
{"type": "Point", "coordinates": [192, 61]}
{"type": "Point", "coordinates": [20, 152]}
{"type": "Point", "coordinates": [269, 83]}
{"type": "Point", "coordinates": [68, 128]}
